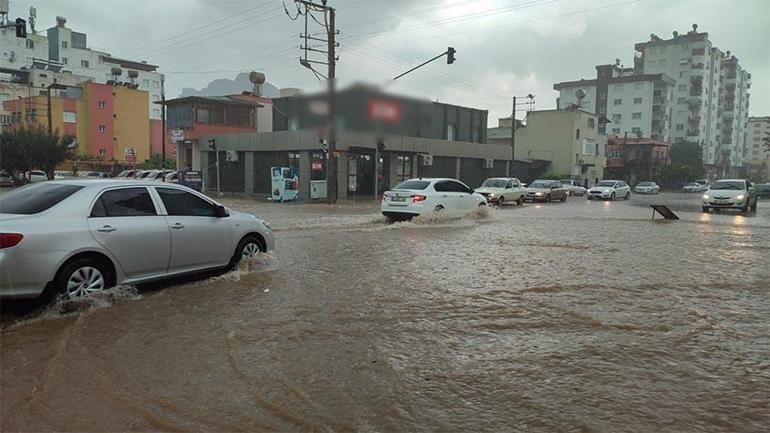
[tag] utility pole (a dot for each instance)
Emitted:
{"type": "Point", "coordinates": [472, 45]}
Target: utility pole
{"type": "Point", "coordinates": [306, 8]}
{"type": "Point", "coordinates": [163, 125]}
{"type": "Point", "coordinates": [530, 102]}
{"type": "Point", "coordinates": [213, 145]}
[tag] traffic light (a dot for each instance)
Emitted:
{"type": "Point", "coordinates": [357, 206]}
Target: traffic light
{"type": "Point", "coordinates": [21, 28]}
{"type": "Point", "coordinates": [213, 143]}
{"type": "Point", "coordinates": [450, 56]}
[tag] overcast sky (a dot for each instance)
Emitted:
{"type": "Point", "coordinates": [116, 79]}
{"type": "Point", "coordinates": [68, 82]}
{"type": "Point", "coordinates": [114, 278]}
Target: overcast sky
{"type": "Point", "coordinates": [504, 47]}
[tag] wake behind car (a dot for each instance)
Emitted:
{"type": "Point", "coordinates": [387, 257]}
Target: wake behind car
{"type": "Point", "coordinates": [546, 191]}
{"type": "Point", "coordinates": [610, 190]}
{"type": "Point", "coordinates": [647, 188]}
{"type": "Point", "coordinates": [499, 190]}
{"type": "Point", "coordinates": [78, 237]}
{"type": "Point", "coordinates": [730, 194]}
{"type": "Point", "coordinates": [421, 196]}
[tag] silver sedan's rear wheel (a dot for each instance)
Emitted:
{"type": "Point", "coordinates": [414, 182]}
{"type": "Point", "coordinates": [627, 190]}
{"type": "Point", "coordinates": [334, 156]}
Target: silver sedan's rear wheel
{"type": "Point", "coordinates": [85, 281]}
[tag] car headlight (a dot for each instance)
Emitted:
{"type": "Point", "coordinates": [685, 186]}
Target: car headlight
{"type": "Point", "coordinates": [740, 197]}
{"type": "Point", "coordinates": [706, 197]}
{"type": "Point", "coordinates": [267, 225]}
{"type": "Point", "coordinates": [538, 193]}
{"type": "Point", "coordinates": [491, 194]}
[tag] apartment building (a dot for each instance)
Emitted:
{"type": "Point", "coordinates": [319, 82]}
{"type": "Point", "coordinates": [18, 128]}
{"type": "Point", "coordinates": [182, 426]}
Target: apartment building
{"type": "Point", "coordinates": [708, 82]}
{"type": "Point", "coordinates": [625, 102]}
{"type": "Point", "coordinates": [758, 145]}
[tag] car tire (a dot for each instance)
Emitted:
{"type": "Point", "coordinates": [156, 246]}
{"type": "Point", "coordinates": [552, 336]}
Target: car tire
{"type": "Point", "coordinates": [438, 208]}
{"type": "Point", "coordinates": [547, 198]}
{"type": "Point", "coordinates": [82, 277]}
{"type": "Point", "coordinates": [628, 195]}
{"type": "Point", "coordinates": [250, 246]}
{"type": "Point", "coordinates": [754, 206]}
{"type": "Point", "coordinates": [520, 201]}
{"type": "Point", "coordinates": [500, 202]}
{"type": "Point", "coordinates": [564, 198]}
{"type": "Point", "coordinates": [612, 197]}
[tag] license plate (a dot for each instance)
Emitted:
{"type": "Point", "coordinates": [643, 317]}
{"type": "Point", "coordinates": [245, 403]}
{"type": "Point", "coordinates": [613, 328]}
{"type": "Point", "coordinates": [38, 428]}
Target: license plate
{"type": "Point", "coordinates": [397, 198]}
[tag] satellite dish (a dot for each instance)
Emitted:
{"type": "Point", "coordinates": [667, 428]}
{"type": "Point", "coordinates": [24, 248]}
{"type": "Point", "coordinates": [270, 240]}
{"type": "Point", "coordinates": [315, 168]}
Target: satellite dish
{"type": "Point", "coordinates": [580, 94]}
{"type": "Point", "coordinates": [257, 77]}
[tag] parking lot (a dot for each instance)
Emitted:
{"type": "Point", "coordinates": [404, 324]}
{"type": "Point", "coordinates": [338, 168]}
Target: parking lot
{"type": "Point", "coordinates": [576, 316]}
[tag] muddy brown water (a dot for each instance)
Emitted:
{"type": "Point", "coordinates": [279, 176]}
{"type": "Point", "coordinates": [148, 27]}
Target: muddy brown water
{"type": "Point", "coordinates": [575, 317]}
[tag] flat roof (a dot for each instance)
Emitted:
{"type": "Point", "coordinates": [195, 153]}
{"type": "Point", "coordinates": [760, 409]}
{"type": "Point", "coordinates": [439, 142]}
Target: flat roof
{"type": "Point", "coordinates": [130, 63]}
{"type": "Point", "coordinates": [231, 100]}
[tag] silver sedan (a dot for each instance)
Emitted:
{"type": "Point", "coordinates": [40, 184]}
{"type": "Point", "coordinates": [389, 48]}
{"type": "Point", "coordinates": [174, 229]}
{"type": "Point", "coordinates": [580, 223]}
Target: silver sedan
{"type": "Point", "coordinates": [82, 236]}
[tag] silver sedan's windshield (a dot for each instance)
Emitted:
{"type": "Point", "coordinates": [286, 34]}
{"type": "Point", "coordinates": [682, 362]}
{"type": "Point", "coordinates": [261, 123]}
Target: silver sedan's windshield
{"type": "Point", "coordinates": [729, 185]}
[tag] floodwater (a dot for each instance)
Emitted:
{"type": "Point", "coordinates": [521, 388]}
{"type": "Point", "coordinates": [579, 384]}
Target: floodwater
{"type": "Point", "coordinates": [575, 317]}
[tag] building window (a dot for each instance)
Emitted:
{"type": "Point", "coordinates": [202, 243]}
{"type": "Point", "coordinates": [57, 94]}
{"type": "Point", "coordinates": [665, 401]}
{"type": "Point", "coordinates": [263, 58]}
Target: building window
{"type": "Point", "coordinates": [680, 126]}
{"type": "Point", "coordinates": [682, 87]}
{"type": "Point", "coordinates": [64, 60]}
{"type": "Point", "coordinates": [617, 118]}
{"type": "Point", "coordinates": [403, 168]}
{"type": "Point", "coordinates": [30, 44]}
{"type": "Point", "coordinates": [682, 74]}
{"type": "Point", "coordinates": [156, 112]}
{"type": "Point", "coordinates": [681, 101]}
{"type": "Point", "coordinates": [590, 147]}
{"type": "Point", "coordinates": [102, 152]}
{"type": "Point", "coordinates": [64, 44]}
{"type": "Point", "coordinates": [102, 104]}
{"type": "Point", "coordinates": [591, 122]}
{"type": "Point", "coordinates": [155, 98]}
{"type": "Point", "coordinates": [156, 84]}
{"type": "Point", "coordinates": [84, 63]}
{"type": "Point", "coordinates": [146, 83]}
{"type": "Point", "coordinates": [617, 102]}
{"type": "Point", "coordinates": [577, 133]}
{"type": "Point", "coordinates": [70, 117]}
{"type": "Point", "coordinates": [637, 101]}
{"type": "Point", "coordinates": [636, 130]}
{"type": "Point", "coordinates": [616, 130]}
{"type": "Point", "coordinates": [294, 159]}
{"type": "Point", "coordinates": [102, 128]}
{"type": "Point", "coordinates": [636, 116]}
{"type": "Point", "coordinates": [602, 95]}
{"type": "Point", "coordinates": [450, 132]}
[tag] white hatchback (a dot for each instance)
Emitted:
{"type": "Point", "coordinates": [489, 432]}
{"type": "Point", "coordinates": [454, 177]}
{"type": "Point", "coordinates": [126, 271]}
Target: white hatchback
{"type": "Point", "coordinates": [609, 190]}
{"type": "Point", "coordinates": [415, 197]}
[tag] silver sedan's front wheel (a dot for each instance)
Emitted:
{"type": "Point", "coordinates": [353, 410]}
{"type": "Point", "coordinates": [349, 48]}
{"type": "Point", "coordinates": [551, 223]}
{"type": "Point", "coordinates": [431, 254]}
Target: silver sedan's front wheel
{"type": "Point", "coordinates": [85, 281]}
{"type": "Point", "coordinates": [251, 249]}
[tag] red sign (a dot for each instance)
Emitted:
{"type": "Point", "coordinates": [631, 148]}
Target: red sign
{"type": "Point", "coordinates": [317, 166]}
{"type": "Point", "coordinates": [386, 111]}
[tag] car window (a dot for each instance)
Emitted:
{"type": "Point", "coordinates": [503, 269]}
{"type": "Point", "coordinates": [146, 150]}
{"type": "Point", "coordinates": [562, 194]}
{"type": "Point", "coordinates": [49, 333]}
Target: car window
{"type": "Point", "coordinates": [442, 186]}
{"type": "Point", "coordinates": [556, 185]}
{"type": "Point", "coordinates": [180, 202]}
{"type": "Point", "coordinates": [35, 198]}
{"type": "Point", "coordinates": [458, 187]}
{"type": "Point", "coordinates": [413, 184]}
{"type": "Point", "coordinates": [509, 185]}
{"type": "Point", "coordinates": [124, 202]}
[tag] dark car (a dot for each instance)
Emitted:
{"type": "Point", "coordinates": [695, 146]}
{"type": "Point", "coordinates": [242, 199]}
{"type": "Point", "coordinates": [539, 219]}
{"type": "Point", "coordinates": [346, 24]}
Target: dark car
{"type": "Point", "coordinates": [762, 190]}
{"type": "Point", "coordinates": [6, 179]}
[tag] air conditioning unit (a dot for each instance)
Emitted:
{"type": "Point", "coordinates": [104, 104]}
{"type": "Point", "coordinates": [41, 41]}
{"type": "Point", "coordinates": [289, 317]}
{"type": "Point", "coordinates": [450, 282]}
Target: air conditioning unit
{"type": "Point", "coordinates": [12, 56]}
{"type": "Point", "coordinates": [427, 160]}
{"type": "Point", "coordinates": [231, 156]}
{"type": "Point", "coordinates": [489, 163]}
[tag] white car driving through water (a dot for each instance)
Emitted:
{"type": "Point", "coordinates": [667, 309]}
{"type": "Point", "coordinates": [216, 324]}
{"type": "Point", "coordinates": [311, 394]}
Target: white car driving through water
{"type": "Point", "coordinates": [730, 194]}
{"type": "Point", "coordinates": [416, 197]}
{"type": "Point", "coordinates": [647, 188]}
{"type": "Point", "coordinates": [610, 190]}
{"type": "Point", "coordinates": [500, 190]}
{"type": "Point", "coordinates": [77, 237]}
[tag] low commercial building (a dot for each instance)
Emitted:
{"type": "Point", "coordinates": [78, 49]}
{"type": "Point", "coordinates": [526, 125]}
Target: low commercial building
{"type": "Point", "coordinates": [382, 139]}
{"type": "Point", "coordinates": [636, 159]}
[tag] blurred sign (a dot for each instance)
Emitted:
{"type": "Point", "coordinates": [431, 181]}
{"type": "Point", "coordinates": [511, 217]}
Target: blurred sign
{"type": "Point", "coordinates": [129, 154]}
{"type": "Point", "coordinates": [317, 166]}
{"type": "Point", "coordinates": [384, 110]}
{"type": "Point", "coordinates": [191, 179]}
{"type": "Point", "coordinates": [177, 135]}
{"type": "Point", "coordinates": [319, 107]}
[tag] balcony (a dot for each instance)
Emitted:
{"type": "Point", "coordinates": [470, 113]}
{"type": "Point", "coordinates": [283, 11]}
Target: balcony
{"type": "Point", "coordinates": [698, 51]}
{"type": "Point", "coordinates": [698, 65]}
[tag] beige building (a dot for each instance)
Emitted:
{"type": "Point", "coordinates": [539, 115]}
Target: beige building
{"type": "Point", "coordinates": [758, 155]}
{"type": "Point", "coordinates": [566, 142]}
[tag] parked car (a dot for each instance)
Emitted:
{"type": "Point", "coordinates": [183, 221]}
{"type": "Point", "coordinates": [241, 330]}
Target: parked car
{"type": "Point", "coordinates": [546, 191]}
{"type": "Point", "coordinates": [172, 177]}
{"type": "Point", "coordinates": [730, 194]}
{"type": "Point", "coordinates": [127, 174]}
{"type": "Point", "coordinates": [416, 197]}
{"type": "Point", "coordinates": [573, 187]}
{"type": "Point", "coordinates": [6, 179]}
{"type": "Point", "coordinates": [692, 187]}
{"type": "Point", "coordinates": [610, 190]}
{"type": "Point", "coordinates": [102, 224]}
{"type": "Point", "coordinates": [35, 176]}
{"type": "Point", "coordinates": [141, 174]}
{"type": "Point", "coordinates": [762, 190]}
{"type": "Point", "coordinates": [704, 184]}
{"type": "Point", "coordinates": [93, 175]}
{"type": "Point", "coordinates": [647, 188]}
{"type": "Point", "coordinates": [499, 190]}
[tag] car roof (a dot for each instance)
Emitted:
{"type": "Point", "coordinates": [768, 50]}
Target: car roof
{"type": "Point", "coordinates": [106, 182]}
{"type": "Point", "coordinates": [730, 180]}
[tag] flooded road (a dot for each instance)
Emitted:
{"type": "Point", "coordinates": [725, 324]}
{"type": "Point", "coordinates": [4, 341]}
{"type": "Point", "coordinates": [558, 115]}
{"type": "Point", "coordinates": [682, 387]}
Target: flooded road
{"type": "Point", "coordinates": [577, 317]}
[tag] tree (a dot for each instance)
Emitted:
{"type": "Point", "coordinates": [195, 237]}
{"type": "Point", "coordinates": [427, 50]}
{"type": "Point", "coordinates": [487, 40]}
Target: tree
{"type": "Point", "coordinates": [686, 164]}
{"type": "Point", "coordinates": [154, 162]}
{"type": "Point", "coordinates": [32, 147]}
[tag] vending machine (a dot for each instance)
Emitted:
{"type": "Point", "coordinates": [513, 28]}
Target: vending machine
{"type": "Point", "coordinates": [285, 184]}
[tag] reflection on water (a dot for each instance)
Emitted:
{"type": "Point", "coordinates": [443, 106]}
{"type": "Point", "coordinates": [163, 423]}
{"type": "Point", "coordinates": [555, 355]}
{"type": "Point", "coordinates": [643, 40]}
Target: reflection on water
{"type": "Point", "coordinates": [574, 316]}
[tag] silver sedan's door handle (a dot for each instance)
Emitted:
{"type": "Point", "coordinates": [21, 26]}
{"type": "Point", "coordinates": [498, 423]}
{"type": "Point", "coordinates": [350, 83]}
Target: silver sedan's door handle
{"type": "Point", "coordinates": [106, 229]}
{"type": "Point", "coordinates": [178, 226]}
